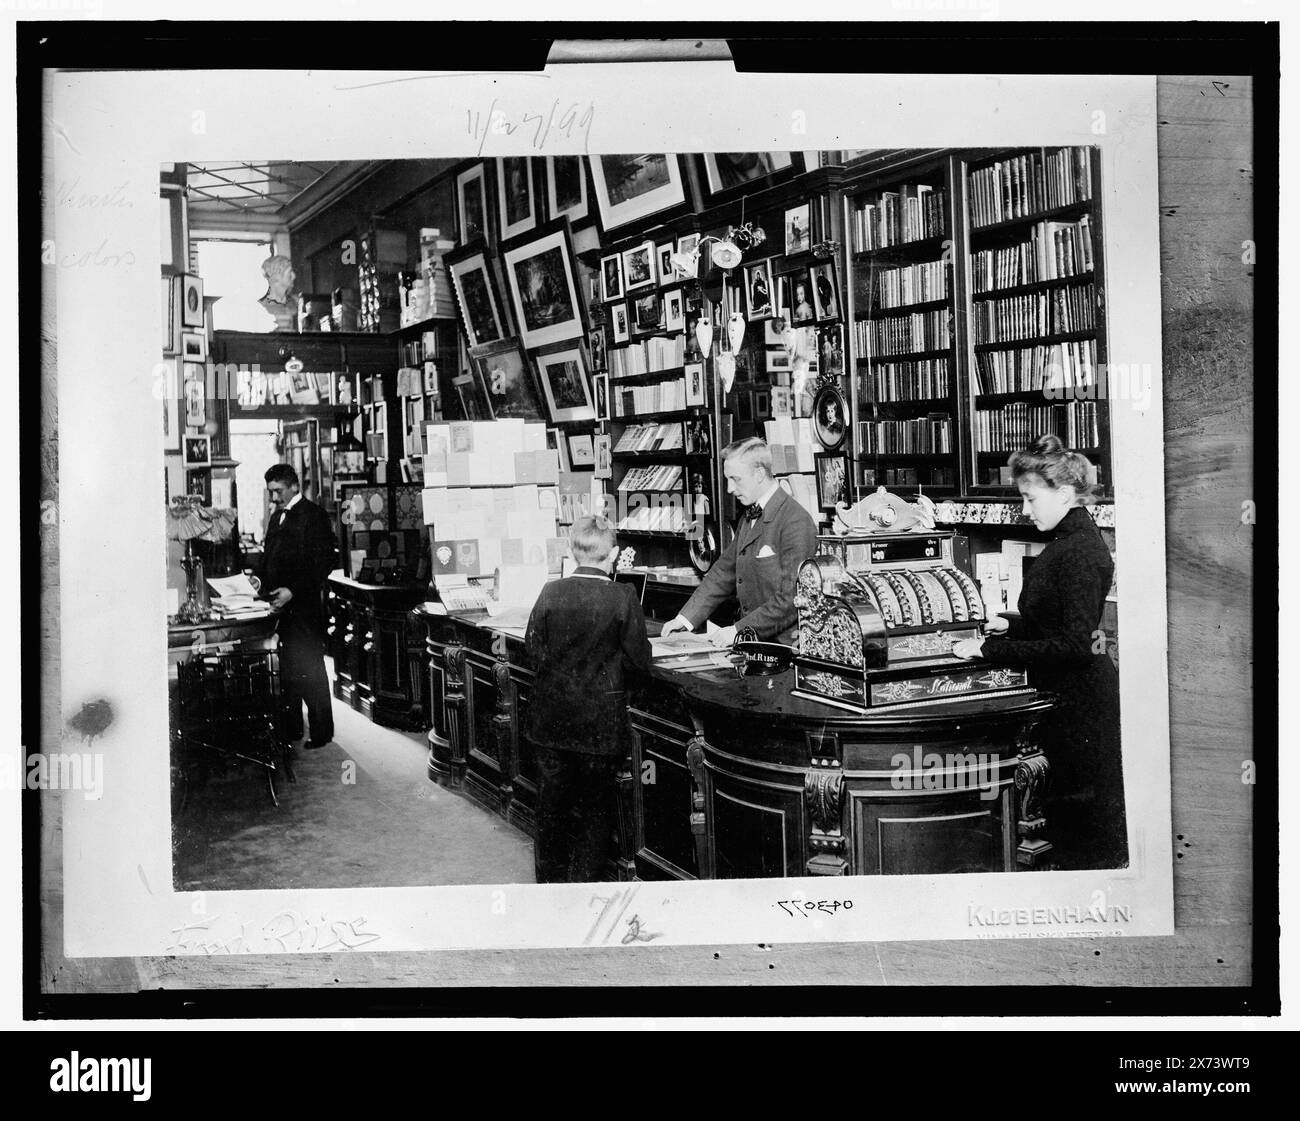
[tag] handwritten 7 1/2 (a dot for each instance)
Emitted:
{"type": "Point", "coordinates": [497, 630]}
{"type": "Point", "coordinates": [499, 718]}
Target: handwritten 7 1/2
{"type": "Point", "coordinates": [499, 123]}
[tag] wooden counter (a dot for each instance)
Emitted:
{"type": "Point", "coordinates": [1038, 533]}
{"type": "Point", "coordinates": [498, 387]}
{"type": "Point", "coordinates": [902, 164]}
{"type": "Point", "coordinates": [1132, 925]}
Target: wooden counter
{"type": "Point", "coordinates": [734, 777]}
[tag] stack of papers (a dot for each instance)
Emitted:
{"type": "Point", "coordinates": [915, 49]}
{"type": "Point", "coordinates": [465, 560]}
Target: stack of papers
{"type": "Point", "coordinates": [236, 597]}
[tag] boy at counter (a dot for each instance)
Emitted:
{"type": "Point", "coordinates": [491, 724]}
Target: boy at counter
{"type": "Point", "coordinates": [584, 632]}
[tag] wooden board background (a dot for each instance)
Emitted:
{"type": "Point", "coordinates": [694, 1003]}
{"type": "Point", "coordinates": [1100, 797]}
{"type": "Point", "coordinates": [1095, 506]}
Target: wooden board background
{"type": "Point", "coordinates": [1206, 177]}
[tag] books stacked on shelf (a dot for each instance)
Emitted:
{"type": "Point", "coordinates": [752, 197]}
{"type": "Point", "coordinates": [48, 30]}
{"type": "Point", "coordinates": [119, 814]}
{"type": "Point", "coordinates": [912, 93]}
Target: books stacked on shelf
{"type": "Point", "coordinates": [1028, 184]}
{"type": "Point", "coordinates": [1058, 312]}
{"type": "Point", "coordinates": [663, 477]}
{"type": "Point", "coordinates": [898, 477]}
{"type": "Point", "coordinates": [1054, 251]}
{"type": "Point", "coordinates": [658, 397]}
{"type": "Point", "coordinates": [663, 352]}
{"type": "Point", "coordinates": [488, 453]}
{"type": "Point", "coordinates": [910, 213]}
{"type": "Point", "coordinates": [1013, 427]}
{"type": "Point", "coordinates": [792, 444]}
{"type": "Point", "coordinates": [650, 438]}
{"type": "Point", "coordinates": [1029, 369]}
{"type": "Point", "coordinates": [904, 334]}
{"type": "Point", "coordinates": [930, 435]}
{"type": "Point", "coordinates": [912, 284]}
{"type": "Point", "coordinates": [426, 292]}
{"type": "Point", "coordinates": [666, 514]}
{"type": "Point", "coordinates": [922, 379]}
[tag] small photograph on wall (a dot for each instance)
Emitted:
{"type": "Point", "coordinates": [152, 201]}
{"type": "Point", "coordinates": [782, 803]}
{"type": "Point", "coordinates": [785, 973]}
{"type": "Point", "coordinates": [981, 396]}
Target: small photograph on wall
{"type": "Point", "coordinates": [758, 289]}
{"type": "Point", "coordinates": [674, 313]}
{"type": "Point", "coordinates": [197, 451]}
{"type": "Point", "coordinates": [639, 267]}
{"type": "Point", "coordinates": [619, 323]}
{"type": "Point", "coordinates": [695, 392]}
{"type": "Point", "coordinates": [647, 314]}
{"type": "Point", "coordinates": [797, 227]}
{"type": "Point", "coordinates": [471, 201]}
{"type": "Point", "coordinates": [832, 479]}
{"type": "Point", "coordinates": [515, 195]}
{"type": "Point", "coordinates": [596, 347]}
{"type": "Point", "coordinates": [800, 308]}
{"type": "Point", "coordinates": [611, 277]}
{"type": "Point", "coordinates": [826, 303]}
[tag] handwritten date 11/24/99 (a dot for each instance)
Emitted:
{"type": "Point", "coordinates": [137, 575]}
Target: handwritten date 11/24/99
{"type": "Point", "coordinates": [804, 907]}
{"type": "Point", "coordinates": [576, 119]}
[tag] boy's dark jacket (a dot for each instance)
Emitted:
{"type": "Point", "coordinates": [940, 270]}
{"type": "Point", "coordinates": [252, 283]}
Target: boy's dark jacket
{"type": "Point", "coordinates": [582, 634]}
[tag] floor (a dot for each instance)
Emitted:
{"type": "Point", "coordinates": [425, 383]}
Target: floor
{"type": "Point", "coordinates": [363, 813]}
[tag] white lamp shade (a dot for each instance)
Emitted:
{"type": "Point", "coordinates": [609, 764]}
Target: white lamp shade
{"type": "Point", "coordinates": [726, 367]}
{"type": "Point", "coordinates": [704, 335]}
{"type": "Point", "coordinates": [736, 330]}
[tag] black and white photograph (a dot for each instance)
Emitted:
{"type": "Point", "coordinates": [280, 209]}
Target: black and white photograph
{"type": "Point", "coordinates": [664, 261]}
{"type": "Point", "coordinates": [191, 301]}
{"type": "Point", "coordinates": [961, 715]}
{"type": "Point", "coordinates": [688, 248]}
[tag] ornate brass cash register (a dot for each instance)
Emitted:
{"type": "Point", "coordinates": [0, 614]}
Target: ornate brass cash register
{"type": "Point", "coordinates": [879, 613]}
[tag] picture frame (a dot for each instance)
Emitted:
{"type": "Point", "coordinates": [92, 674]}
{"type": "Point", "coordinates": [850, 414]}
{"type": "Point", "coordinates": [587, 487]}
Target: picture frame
{"type": "Point", "coordinates": [674, 310]}
{"type": "Point", "coordinates": [602, 447]}
{"type": "Point", "coordinates": [664, 261]}
{"type": "Point", "coordinates": [171, 402]}
{"type": "Point", "coordinates": [825, 294]}
{"type": "Point", "coordinates": [758, 290]}
{"type": "Point", "coordinates": [631, 187]}
{"type": "Point", "coordinates": [611, 277]}
{"type": "Point", "coordinates": [782, 404]}
{"type": "Point", "coordinates": [777, 361]}
{"type": "Point", "coordinates": [516, 204]}
{"type": "Point", "coordinates": [566, 188]}
{"type": "Point", "coordinates": [798, 229]}
{"type": "Point", "coordinates": [197, 450]}
{"type": "Point", "coordinates": [557, 443]}
{"type": "Point", "coordinates": [620, 325]}
{"type": "Point", "coordinates": [194, 346]}
{"type": "Point", "coordinates": [480, 310]}
{"type": "Point", "coordinates": [171, 302]}
{"type": "Point", "coordinates": [830, 349]}
{"type": "Point", "coordinates": [191, 300]}
{"type": "Point", "coordinates": [688, 244]}
{"type": "Point", "coordinates": [726, 171]}
{"type": "Point", "coordinates": [471, 205]}
{"type": "Point", "coordinates": [774, 331]}
{"type": "Point", "coordinates": [600, 384]}
{"type": "Point", "coordinates": [195, 392]}
{"type": "Point", "coordinates": [832, 472]}
{"type": "Point", "coordinates": [800, 308]}
{"type": "Point", "coordinates": [582, 451]}
{"type": "Point", "coordinates": [696, 393]}
{"type": "Point", "coordinates": [762, 405]}
{"type": "Point", "coordinates": [596, 350]}
{"type": "Point", "coordinates": [543, 287]}
{"type": "Point", "coordinates": [647, 313]}
{"type": "Point", "coordinates": [639, 269]}
{"type": "Point", "coordinates": [564, 383]}
{"type": "Point", "coordinates": [830, 416]}
{"type": "Point", "coordinates": [507, 381]}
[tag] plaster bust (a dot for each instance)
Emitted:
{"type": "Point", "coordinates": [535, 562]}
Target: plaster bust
{"type": "Point", "coordinates": [280, 301]}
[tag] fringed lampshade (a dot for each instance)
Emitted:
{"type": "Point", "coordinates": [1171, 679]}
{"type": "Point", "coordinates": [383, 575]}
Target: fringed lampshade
{"type": "Point", "coordinates": [189, 520]}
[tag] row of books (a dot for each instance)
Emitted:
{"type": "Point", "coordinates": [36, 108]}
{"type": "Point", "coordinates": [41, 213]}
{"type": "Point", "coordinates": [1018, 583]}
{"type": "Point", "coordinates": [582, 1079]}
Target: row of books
{"type": "Point", "coordinates": [1028, 369]}
{"type": "Point", "coordinates": [1055, 250]}
{"type": "Point", "coordinates": [912, 284]}
{"type": "Point", "coordinates": [658, 397]}
{"type": "Point", "coordinates": [921, 379]}
{"type": "Point", "coordinates": [1028, 184]}
{"type": "Point", "coordinates": [414, 381]}
{"type": "Point", "coordinates": [650, 438]}
{"type": "Point", "coordinates": [1056, 312]}
{"type": "Point", "coordinates": [911, 213]}
{"type": "Point", "coordinates": [663, 476]}
{"type": "Point", "coordinates": [908, 477]}
{"type": "Point", "coordinates": [663, 352]}
{"type": "Point", "coordinates": [1014, 426]}
{"type": "Point", "coordinates": [904, 334]}
{"type": "Point", "coordinates": [930, 435]}
{"type": "Point", "coordinates": [658, 518]}
{"type": "Point", "coordinates": [415, 352]}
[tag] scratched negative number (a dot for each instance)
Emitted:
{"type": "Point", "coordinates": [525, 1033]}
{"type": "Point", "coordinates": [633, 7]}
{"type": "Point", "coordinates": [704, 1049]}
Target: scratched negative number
{"type": "Point", "coordinates": [794, 907]}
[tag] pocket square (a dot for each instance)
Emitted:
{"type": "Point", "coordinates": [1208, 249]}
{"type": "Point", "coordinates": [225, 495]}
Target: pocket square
{"type": "Point", "coordinates": [766, 551]}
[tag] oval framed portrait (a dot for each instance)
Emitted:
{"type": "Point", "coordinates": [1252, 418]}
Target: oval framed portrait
{"type": "Point", "coordinates": [704, 548]}
{"type": "Point", "coordinates": [830, 417]}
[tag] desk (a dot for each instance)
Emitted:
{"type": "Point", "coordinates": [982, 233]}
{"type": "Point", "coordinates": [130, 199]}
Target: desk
{"type": "Point", "coordinates": [734, 777]}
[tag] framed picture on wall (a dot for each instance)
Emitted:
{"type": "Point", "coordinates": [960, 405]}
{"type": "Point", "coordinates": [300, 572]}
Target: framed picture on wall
{"type": "Point", "coordinates": [798, 229]}
{"type": "Point", "coordinates": [194, 346]}
{"type": "Point", "coordinates": [619, 323]}
{"type": "Point", "coordinates": [582, 453]}
{"type": "Point", "coordinates": [198, 451]}
{"type": "Point", "coordinates": [471, 205]}
{"type": "Point", "coordinates": [171, 400]}
{"type": "Point", "coordinates": [604, 457]}
{"type": "Point", "coordinates": [639, 267]}
{"type": "Point", "coordinates": [832, 471]}
{"type": "Point", "coordinates": [826, 304]}
{"type": "Point", "coordinates": [196, 409]}
{"type": "Point", "coordinates": [611, 277]}
{"type": "Point", "coordinates": [543, 288]}
{"type": "Point", "coordinates": [601, 384]}
{"type": "Point", "coordinates": [664, 261]}
{"type": "Point", "coordinates": [800, 308]}
{"type": "Point", "coordinates": [596, 347]}
{"type": "Point", "coordinates": [631, 187]}
{"type": "Point", "coordinates": [564, 382]}
{"type": "Point", "coordinates": [695, 392]}
{"type": "Point", "coordinates": [517, 208]}
{"type": "Point", "coordinates": [726, 170]}
{"type": "Point", "coordinates": [191, 300]}
{"type": "Point", "coordinates": [507, 379]}
{"type": "Point", "coordinates": [674, 310]}
{"type": "Point", "coordinates": [647, 313]}
{"type": "Point", "coordinates": [758, 289]}
{"type": "Point", "coordinates": [566, 187]}
{"type": "Point", "coordinates": [830, 416]}
{"type": "Point", "coordinates": [480, 311]}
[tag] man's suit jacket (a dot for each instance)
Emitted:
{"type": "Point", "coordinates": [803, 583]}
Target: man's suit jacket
{"type": "Point", "coordinates": [759, 567]}
{"type": "Point", "coordinates": [298, 555]}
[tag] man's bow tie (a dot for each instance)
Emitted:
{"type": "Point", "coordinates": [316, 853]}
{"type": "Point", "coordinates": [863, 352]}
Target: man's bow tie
{"type": "Point", "coordinates": [754, 512]}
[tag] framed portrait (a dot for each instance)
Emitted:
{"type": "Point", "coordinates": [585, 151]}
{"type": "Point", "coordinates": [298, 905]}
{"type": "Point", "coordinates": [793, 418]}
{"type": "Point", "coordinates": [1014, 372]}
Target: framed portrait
{"type": "Point", "coordinates": [507, 379]}
{"type": "Point", "coordinates": [647, 313]}
{"type": "Point", "coordinates": [191, 300]}
{"type": "Point", "coordinates": [197, 451]}
{"type": "Point", "coordinates": [664, 261]}
{"type": "Point", "coordinates": [619, 323]}
{"type": "Point", "coordinates": [516, 205]}
{"type": "Point", "coordinates": [196, 407]}
{"type": "Point", "coordinates": [543, 288]}
{"type": "Point", "coordinates": [674, 310]}
{"type": "Point", "coordinates": [582, 452]}
{"type": "Point", "coordinates": [758, 289]}
{"type": "Point", "coordinates": [798, 229]}
{"type": "Point", "coordinates": [566, 188]}
{"type": "Point", "coordinates": [800, 309]}
{"type": "Point", "coordinates": [600, 383]}
{"type": "Point", "coordinates": [639, 267]}
{"type": "Point", "coordinates": [596, 347]}
{"type": "Point", "coordinates": [471, 205]}
{"type": "Point", "coordinates": [631, 187]}
{"type": "Point", "coordinates": [687, 244]}
{"type": "Point", "coordinates": [773, 330]}
{"type": "Point", "coordinates": [611, 277]}
{"type": "Point", "coordinates": [564, 382]}
{"type": "Point", "coordinates": [726, 170]}
{"type": "Point", "coordinates": [830, 349]}
{"type": "Point", "coordinates": [781, 403]}
{"type": "Point", "coordinates": [602, 449]}
{"type": "Point", "coordinates": [171, 401]}
{"type": "Point", "coordinates": [695, 391]}
{"type": "Point", "coordinates": [762, 405]}
{"type": "Point", "coordinates": [194, 346]}
{"type": "Point", "coordinates": [826, 304]}
{"type": "Point", "coordinates": [830, 417]}
{"type": "Point", "coordinates": [832, 471]}
{"type": "Point", "coordinates": [480, 311]}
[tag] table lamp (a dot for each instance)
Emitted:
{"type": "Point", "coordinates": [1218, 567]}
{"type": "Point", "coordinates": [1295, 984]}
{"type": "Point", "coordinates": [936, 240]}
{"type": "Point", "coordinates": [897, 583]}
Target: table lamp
{"type": "Point", "coordinates": [189, 520]}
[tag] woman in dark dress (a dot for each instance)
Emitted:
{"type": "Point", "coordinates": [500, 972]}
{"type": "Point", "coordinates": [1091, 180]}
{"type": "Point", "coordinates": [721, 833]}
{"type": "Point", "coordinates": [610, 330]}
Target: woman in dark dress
{"type": "Point", "coordinates": [1058, 638]}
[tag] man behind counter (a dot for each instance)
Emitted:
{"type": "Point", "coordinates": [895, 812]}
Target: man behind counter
{"type": "Point", "coordinates": [760, 565]}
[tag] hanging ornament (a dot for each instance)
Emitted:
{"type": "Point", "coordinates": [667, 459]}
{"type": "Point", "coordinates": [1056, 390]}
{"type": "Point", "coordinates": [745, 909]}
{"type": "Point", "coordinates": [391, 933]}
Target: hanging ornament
{"type": "Point", "coordinates": [736, 330]}
{"type": "Point", "coordinates": [704, 335]}
{"type": "Point", "coordinates": [725, 363]}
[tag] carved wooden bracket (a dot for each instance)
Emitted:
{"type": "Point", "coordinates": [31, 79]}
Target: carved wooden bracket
{"type": "Point", "coordinates": [455, 703]}
{"type": "Point", "coordinates": [1032, 777]}
{"type": "Point", "coordinates": [824, 796]}
{"type": "Point", "coordinates": [503, 730]}
{"type": "Point", "coordinates": [699, 826]}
